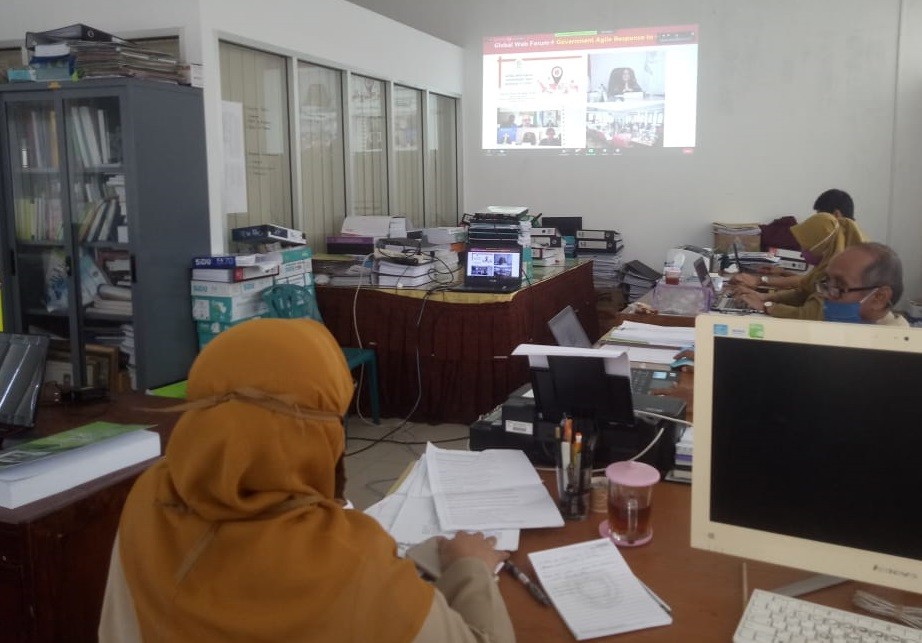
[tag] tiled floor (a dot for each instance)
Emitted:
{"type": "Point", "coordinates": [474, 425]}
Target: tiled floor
{"type": "Point", "coordinates": [370, 473]}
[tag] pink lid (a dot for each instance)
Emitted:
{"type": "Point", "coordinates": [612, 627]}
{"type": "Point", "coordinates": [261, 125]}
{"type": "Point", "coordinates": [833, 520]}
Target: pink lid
{"type": "Point", "coordinates": [632, 474]}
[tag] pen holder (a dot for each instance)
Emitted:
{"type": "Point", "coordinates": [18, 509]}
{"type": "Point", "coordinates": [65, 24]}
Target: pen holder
{"type": "Point", "coordinates": [574, 479]}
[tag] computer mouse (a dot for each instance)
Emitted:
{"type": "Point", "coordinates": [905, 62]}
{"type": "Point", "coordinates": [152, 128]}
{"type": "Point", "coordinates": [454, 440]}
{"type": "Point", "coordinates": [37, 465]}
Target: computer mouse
{"type": "Point", "coordinates": [682, 361]}
{"type": "Point", "coordinates": [321, 279]}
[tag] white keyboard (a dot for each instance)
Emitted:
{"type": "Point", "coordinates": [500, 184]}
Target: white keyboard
{"type": "Point", "coordinates": [774, 617]}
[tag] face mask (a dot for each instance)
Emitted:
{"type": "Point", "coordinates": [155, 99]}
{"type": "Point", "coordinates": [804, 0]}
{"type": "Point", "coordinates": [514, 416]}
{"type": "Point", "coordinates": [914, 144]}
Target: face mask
{"type": "Point", "coordinates": [810, 258]}
{"type": "Point", "coordinates": [848, 312]}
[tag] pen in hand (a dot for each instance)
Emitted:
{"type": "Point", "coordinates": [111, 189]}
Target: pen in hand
{"type": "Point", "coordinates": [532, 586]}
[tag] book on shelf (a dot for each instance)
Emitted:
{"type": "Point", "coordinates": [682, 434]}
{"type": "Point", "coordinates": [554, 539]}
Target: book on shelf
{"type": "Point", "coordinates": [77, 31]}
{"type": "Point", "coordinates": [229, 275]}
{"type": "Point", "coordinates": [50, 465]}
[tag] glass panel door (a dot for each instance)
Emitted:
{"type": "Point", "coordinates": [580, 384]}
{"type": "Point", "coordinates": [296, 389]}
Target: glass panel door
{"type": "Point", "coordinates": [41, 258]}
{"type": "Point", "coordinates": [99, 214]}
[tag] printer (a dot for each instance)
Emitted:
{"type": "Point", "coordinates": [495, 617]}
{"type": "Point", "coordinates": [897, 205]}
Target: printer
{"type": "Point", "coordinates": [517, 424]}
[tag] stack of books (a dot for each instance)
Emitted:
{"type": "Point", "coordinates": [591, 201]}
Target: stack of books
{"type": "Point", "coordinates": [639, 279]}
{"type": "Point", "coordinates": [112, 300]}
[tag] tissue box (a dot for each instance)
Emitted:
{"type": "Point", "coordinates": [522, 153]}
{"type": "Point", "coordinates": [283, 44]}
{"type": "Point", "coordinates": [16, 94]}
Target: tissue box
{"type": "Point", "coordinates": [681, 299]}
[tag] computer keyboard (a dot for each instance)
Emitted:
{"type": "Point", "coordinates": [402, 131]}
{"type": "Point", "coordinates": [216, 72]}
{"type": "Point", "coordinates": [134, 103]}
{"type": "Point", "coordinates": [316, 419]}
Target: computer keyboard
{"type": "Point", "coordinates": [775, 617]}
{"type": "Point", "coordinates": [726, 303]}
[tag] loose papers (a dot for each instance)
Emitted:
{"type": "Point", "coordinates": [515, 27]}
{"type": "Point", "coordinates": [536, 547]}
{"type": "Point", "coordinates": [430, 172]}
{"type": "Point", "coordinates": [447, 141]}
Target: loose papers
{"type": "Point", "coordinates": [409, 515]}
{"type": "Point", "coordinates": [595, 591]}
{"type": "Point", "coordinates": [492, 489]}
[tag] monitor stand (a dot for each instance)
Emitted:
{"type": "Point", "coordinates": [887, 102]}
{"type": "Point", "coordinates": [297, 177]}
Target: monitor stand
{"type": "Point", "coordinates": [809, 584]}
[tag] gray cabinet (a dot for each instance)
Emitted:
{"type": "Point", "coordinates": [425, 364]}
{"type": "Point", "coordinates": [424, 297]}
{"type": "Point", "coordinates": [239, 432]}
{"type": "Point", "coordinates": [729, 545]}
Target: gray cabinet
{"type": "Point", "coordinates": [105, 202]}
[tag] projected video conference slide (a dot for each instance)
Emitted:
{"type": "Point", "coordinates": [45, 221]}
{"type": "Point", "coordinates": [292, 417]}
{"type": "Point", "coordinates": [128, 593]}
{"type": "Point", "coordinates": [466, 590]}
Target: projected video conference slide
{"type": "Point", "coordinates": [591, 92]}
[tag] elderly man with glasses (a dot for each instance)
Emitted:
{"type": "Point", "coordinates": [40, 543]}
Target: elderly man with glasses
{"type": "Point", "coordinates": [862, 284]}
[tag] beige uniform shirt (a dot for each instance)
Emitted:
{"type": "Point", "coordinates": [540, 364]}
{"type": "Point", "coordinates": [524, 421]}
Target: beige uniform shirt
{"type": "Point", "coordinates": [467, 608]}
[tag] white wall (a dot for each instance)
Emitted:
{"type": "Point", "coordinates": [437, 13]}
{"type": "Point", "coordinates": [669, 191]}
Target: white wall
{"type": "Point", "coordinates": [794, 98]}
{"type": "Point", "coordinates": [332, 31]}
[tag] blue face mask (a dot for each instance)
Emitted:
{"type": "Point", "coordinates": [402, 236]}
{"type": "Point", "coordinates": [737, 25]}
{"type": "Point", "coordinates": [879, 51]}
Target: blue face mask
{"type": "Point", "coordinates": [838, 311]}
{"type": "Point", "coordinates": [848, 312]}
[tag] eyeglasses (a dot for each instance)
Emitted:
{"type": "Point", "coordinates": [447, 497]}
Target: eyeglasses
{"type": "Point", "coordinates": [833, 291]}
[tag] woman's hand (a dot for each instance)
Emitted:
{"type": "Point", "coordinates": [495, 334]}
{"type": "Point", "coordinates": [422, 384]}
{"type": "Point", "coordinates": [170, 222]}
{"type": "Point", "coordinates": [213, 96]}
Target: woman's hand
{"type": "Point", "coordinates": [745, 279]}
{"type": "Point", "coordinates": [754, 300]}
{"type": "Point", "coordinates": [470, 545]}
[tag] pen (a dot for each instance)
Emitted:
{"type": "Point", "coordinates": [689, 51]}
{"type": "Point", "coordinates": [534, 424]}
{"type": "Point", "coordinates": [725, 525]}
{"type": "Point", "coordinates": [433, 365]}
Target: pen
{"type": "Point", "coordinates": [656, 598]}
{"type": "Point", "coordinates": [532, 586]}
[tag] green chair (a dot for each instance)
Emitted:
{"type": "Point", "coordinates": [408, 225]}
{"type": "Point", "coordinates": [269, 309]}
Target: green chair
{"type": "Point", "coordinates": [288, 301]}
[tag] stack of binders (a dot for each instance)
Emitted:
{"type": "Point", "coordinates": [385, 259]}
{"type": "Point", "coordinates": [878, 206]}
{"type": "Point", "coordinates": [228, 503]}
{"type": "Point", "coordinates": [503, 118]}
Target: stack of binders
{"type": "Point", "coordinates": [605, 248]}
{"type": "Point", "coordinates": [639, 278]}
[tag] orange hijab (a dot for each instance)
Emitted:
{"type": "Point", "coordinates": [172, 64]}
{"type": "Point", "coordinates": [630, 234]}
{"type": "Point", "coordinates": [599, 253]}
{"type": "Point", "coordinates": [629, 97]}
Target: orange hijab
{"type": "Point", "coordinates": [234, 534]}
{"type": "Point", "coordinates": [824, 235]}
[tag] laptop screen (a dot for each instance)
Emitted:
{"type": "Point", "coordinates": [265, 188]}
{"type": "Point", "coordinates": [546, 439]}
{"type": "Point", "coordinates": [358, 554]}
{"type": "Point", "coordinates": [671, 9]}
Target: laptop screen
{"type": "Point", "coordinates": [485, 266]}
{"type": "Point", "coordinates": [567, 329]}
{"type": "Point", "coordinates": [701, 270]}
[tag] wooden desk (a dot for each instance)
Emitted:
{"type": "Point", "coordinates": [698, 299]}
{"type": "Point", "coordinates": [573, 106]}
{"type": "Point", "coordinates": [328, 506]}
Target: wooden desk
{"type": "Point", "coordinates": [463, 340]}
{"type": "Point", "coordinates": [703, 589]}
{"type": "Point", "coordinates": [54, 553]}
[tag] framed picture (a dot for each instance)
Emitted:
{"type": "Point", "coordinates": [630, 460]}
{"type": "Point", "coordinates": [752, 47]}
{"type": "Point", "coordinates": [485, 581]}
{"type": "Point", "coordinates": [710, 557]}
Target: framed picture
{"type": "Point", "coordinates": [102, 364]}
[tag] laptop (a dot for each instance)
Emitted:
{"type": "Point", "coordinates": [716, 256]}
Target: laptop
{"type": "Point", "coordinates": [568, 331]}
{"type": "Point", "coordinates": [722, 302]}
{"type": "Point", "coordinates": [492, 270]}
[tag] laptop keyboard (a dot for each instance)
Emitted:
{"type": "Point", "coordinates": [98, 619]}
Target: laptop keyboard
{"type": "Point", "coordinates": [728, 302]}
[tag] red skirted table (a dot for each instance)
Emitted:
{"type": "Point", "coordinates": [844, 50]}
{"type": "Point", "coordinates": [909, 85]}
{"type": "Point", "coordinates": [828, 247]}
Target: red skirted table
{"type": "Point", "coordinates": [460, 341]}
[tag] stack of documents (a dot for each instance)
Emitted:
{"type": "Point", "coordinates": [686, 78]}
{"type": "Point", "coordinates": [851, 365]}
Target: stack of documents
{"type": "Point", "coordinates": [650, 343]}
{"type": "Point", "coordinates": [496, 491]}
{"type": "Point", "coordinates": [595, 591]}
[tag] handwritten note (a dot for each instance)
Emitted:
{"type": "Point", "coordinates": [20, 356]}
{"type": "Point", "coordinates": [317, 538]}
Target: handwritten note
{"type": "Point", "coordinates": [595, 591]}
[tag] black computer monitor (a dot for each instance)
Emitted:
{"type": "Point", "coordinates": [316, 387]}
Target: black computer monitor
{"type": "Point", "coordinates": [22, 370]}
{"type": "Point", "coordinates": [807, 446]}
{"type": "Point", "coordinates": [566, 226]}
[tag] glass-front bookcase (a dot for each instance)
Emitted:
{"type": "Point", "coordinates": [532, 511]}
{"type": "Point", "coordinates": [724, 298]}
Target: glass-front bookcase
{"type": "Point", "coordinates": [104, 205]}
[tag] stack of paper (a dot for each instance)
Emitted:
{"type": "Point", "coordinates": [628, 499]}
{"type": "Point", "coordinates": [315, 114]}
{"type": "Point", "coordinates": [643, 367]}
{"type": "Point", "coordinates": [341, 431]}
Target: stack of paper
{"type": "Point", "coordinates": [595, 591]}
{"type": "Point", "coordinates": [652, 335]}
{"type": "Point", "coordinates": [496, 491]}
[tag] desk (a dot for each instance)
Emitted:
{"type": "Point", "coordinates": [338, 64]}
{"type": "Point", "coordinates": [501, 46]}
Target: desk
{"type": "Point", "coordinates": [54, 553]}
{"type": "Point", "coordinates": [463, 339]}
{"type": "Point", "coordinates": [703, 589]}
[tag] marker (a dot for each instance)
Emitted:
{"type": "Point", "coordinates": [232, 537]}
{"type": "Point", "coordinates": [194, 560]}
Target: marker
{"type": "Point", "coordinates": [532, 586]}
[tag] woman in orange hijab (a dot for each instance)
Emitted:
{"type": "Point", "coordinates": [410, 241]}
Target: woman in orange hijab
{"type": "Point", "coordinates": [821, 237]}
{"type": "Point", "coordinates": [238, 534]}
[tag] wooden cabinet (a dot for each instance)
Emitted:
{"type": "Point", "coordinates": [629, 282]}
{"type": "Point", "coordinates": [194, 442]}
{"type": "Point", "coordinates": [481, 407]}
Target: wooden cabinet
{"type": "Point", "coordinates": [54, 553]}
{"type": "Point", "coordinates": [104, 205]}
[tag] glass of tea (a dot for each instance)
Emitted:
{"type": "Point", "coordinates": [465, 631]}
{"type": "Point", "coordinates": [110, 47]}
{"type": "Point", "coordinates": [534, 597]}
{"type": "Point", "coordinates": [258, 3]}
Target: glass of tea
{"type": "Point", "coordinates": [630, 497]}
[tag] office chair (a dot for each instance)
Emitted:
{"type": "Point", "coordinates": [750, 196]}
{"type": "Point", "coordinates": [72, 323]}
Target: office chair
{"type": "Point", "coordinates": [288, 301]}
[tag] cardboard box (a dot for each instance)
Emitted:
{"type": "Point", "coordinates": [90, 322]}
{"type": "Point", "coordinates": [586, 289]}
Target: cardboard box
{"type": "Point", "coordinates": [723, 243]}
{"type": "Point", "coordinates": [228, 309]}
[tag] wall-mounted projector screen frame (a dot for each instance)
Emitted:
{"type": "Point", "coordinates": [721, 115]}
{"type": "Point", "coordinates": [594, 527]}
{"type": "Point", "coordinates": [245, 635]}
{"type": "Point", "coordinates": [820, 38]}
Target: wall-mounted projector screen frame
{"type": "Point", "coordinates": [596, 93]}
